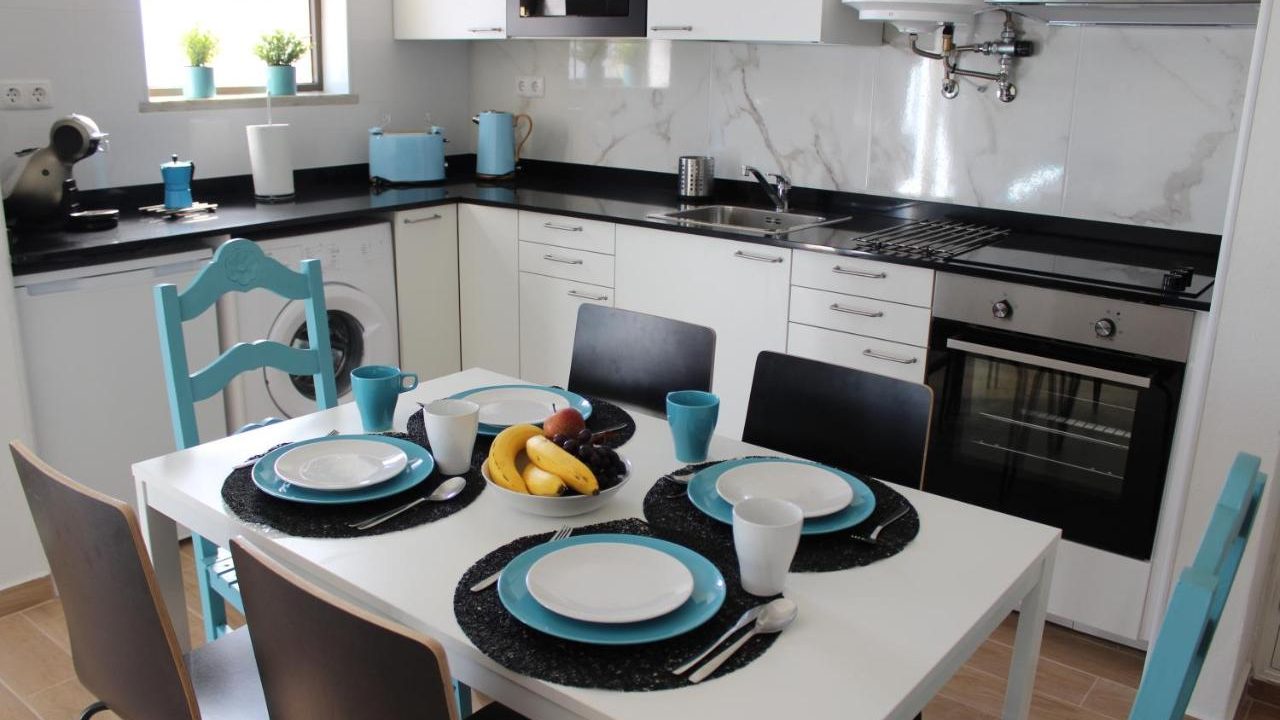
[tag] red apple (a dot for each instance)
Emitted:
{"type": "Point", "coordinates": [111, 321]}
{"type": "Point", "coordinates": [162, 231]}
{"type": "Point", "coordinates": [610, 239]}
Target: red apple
{"type": "Point", "coordinates": [565, 422]}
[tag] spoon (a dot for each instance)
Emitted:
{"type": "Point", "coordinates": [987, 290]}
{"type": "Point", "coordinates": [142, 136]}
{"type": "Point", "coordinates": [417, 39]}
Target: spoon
{"type": "Point", "coordinates": [448, 490]}
{"type": "Point", "coordinates": [776, 617]}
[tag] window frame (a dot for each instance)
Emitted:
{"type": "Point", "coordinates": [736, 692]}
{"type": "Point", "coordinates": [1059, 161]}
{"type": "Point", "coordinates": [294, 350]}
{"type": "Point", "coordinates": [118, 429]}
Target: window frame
{"type": "Point", "coordinates": [317, 69]}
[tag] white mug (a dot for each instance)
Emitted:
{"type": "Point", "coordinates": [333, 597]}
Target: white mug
{"type": "Point", "coordinates": [766, 533]}
{"type": "Point", "coordinates": [451, 430]}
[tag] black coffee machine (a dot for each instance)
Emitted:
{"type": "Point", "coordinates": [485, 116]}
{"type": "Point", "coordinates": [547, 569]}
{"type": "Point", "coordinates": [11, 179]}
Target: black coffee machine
{"type": "Point", "coordinates": [45, 195]}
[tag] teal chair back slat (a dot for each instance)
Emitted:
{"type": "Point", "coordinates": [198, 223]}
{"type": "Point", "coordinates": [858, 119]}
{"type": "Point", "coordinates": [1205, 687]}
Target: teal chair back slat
{"type": "Point", "coordinates": [245, 356]}
{"type": "Point", "coordinates": [1199, 597]}
{"type": "Point", "coordinates": [241, 266]}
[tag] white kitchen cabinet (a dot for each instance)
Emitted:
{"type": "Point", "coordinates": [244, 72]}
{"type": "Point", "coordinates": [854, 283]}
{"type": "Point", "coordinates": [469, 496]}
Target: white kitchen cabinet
{"type": "Point", "coordinates": [426, 243]}
{"type": "Point", "coordinates": [738, 289]}
{"type": "Point", "coordinates": [896, 360]}
{"type": "Point", "coordinates": [489, 288]}
{"type": "Point", "coordinates": [861, 315]}
{"type": "Point", "coordinates": [808, 21]}
{"type": "Point", "coordinates": [586, 267]}
{"type": "Point", "coordinates": [449, 19]}
{"type": "Point", "coordinates": [548, 319]}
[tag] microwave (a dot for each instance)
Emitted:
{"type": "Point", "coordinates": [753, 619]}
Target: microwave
{"type": "Point", "coordinates": [576, 18]}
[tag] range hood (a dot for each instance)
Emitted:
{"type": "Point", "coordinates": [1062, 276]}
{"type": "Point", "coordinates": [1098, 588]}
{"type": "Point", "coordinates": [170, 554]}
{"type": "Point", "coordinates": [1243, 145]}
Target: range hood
{"type": "Point", "coordinates": [1172, 13]}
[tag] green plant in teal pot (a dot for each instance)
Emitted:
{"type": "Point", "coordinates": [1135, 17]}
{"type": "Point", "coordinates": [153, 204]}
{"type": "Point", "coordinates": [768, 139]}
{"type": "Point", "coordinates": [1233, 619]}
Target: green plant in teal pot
{"type": "Point", "coordinates": [201, 45]}
{"type": "Point", "coordinates": [280, 50]}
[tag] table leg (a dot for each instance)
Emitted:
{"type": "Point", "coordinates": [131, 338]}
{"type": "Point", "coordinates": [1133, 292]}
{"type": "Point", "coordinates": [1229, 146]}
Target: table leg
{"type": "Point", "coordinates": [161, 535]}
{"type": "Point", "coordinates": [1026, 644]}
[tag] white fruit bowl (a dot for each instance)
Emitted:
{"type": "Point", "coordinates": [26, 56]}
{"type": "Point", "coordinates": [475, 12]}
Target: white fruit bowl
{"type": "Point", "coordinates": [563, 506]}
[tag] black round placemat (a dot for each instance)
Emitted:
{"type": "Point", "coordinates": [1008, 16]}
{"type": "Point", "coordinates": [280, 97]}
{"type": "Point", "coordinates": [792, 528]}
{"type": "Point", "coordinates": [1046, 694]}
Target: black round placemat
{"type": "Point", "coordinates": [522, 649]}
{"type": "Point", "coordinates": [604, 416]}
{"type": "Point", "coordinates": [250, 504]}
{"type": "Point", "coordinates": [674, 517]}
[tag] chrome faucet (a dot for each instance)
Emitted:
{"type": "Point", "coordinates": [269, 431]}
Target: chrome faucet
{"type": "Point", "coordinates": [777, 190]}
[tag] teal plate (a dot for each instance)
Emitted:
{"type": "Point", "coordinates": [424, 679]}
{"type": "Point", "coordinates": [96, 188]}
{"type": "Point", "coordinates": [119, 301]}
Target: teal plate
{"type": "Point", "coordinates": [420, 466]}
{"type": "Point", "coordinates": [703, 495]}
{"type": "Point", "coordinates": [575, 400]}
{"type": "Point", "coordinates": [708, 595]}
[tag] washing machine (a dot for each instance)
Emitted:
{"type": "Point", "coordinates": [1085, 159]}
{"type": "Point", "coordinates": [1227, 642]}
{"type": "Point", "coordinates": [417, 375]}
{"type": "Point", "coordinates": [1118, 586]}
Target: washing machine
{"type": "Point", "coordinates": [360, 294]}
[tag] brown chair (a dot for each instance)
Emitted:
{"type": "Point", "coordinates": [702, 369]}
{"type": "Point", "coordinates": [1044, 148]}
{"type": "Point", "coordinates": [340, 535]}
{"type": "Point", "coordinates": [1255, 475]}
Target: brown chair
{"type": "Point", "coordinates": [123, 646]}
{"type": "Point", "coordinates": [322, 657]}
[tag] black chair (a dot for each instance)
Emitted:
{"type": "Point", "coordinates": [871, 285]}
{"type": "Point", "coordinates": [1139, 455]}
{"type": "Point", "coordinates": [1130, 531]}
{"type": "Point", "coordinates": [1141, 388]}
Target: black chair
{"type": "Point", "coordinates": [636, 359]}
{"type": "Point", "coordinates": [857, 421]}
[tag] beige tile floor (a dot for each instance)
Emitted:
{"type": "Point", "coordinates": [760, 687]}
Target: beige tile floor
{"type": "Point", "coordinates": [1079, 677]}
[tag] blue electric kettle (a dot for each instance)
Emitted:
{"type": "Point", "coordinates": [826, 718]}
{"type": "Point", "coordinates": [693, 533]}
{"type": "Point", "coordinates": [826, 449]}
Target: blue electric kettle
{"type": "Point", "coordinates": [497, 150]}
{"type": "Point", "coordinates": [177, 176]}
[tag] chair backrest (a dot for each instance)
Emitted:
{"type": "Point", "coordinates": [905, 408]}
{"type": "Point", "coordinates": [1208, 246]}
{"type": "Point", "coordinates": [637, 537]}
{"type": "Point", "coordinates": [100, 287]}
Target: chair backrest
{"type": "Point", "coordinates": [857, 421]}
{"type": "Point", "coordinates": [240, 266]}
{"type": "Point", "coordinates": [320, 656]}
{"type": "Point", "coordinates": [122, 643]}
{"type": "Point", "coordinates": [637, 359]}
{"type": "Point", "coordinates": [1174, 663]}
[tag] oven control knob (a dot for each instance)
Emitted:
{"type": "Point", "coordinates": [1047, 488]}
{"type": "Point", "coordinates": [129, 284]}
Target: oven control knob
{"type": "Point", "coordinates": [1002, 309]}
{"type": "Point", "coordinates": [1105, 328]}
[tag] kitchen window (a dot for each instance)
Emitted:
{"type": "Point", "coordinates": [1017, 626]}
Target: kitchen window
{"type": "Point", "coordinates": [238, 25]}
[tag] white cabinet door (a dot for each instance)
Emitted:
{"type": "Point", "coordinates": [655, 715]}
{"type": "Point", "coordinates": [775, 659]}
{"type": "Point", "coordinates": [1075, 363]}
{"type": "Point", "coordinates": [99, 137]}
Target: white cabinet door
{"type": "Point", "coordinates": [738, 289]}
{"type": "Point", "coordinates": [548, 319]}
{"type": "Point", "coordinates": [450, 19]}
{"type": "Point", "coordinates": [427, 290]}
{"type": "Point", "coordinates": [489, 288]}
{"type": "Point", "coordinates": [759, 21]}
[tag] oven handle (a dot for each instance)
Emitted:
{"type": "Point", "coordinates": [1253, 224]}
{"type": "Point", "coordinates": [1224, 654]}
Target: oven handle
{"type": "Point", "coordinates": [1050, 364]}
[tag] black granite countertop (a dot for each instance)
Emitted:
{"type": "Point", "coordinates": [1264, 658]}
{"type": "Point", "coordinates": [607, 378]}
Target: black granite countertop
{"type": "Point", "coordinates": [630, 197]}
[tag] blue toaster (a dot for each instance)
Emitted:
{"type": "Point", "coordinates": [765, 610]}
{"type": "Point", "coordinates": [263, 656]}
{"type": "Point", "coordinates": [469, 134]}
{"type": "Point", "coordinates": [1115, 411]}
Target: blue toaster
{"type": "Point", "coordinates": [406, 157]}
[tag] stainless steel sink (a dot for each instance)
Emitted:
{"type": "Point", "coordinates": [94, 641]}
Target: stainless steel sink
{"type": "Point", "coordinates": [746, 220]}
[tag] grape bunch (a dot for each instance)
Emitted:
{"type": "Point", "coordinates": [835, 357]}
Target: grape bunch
{"type": "Point", "coordinates": [603, 461]}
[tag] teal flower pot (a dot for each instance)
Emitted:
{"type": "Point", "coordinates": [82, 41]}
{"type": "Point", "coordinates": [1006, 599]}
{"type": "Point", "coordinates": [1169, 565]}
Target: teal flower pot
{"type": "Point", "coordinates": [282, 80]}
{"type": "Point", "coordinates": [199, 83]}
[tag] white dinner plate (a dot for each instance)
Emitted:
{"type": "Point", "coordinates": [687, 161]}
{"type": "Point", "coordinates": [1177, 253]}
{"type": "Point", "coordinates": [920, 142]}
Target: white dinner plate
{"type": "Point", "coordinates": [609, 582]}
{"type": "Point", "coordinates": [815, 489]}
{"type": "Point", "coordinates": [517, 405]}
{"type": "Point", "coordinates": [340, 464]}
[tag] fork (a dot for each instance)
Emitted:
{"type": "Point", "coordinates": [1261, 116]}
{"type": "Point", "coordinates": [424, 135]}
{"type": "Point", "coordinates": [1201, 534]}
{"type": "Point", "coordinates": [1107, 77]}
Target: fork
{"type": "Point", "coordinates": [874, 537]}
{"type": "Point", "coordinates": [560, 534]}
{"type": "Point", "coordinates": [251, 463]}
{"type": "Point", "coordinates": [679, 477]}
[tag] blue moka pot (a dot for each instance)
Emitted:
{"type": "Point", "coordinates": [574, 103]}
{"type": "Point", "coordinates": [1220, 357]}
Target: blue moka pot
{"type": "Point", "coordinates": [177, 176]}
{"type": "Point", "coordinates": [406, 157]}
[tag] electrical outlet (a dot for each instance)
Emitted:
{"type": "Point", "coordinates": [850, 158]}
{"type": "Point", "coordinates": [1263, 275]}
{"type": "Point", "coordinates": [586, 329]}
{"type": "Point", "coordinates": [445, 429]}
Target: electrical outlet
{"type": "Point", "coordinates": [530, 86]}
{"type": "Point", "coordinates": [12, 96]}
{"type": "Point", "coordinates": [39, 94]}
{"type": "Point", "coordinates": [25, 94]}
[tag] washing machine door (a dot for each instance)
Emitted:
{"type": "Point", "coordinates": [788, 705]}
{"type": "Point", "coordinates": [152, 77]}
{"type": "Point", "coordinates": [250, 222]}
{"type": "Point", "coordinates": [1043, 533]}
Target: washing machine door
{"type": "Point", "coordinates": [360, 333]}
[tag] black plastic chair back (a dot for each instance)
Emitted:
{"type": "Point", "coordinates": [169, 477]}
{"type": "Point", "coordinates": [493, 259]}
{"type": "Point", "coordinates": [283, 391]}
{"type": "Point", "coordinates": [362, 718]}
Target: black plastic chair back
{"type": "Point", "coordinates": [636, 359]}
{"type": "Point", "coordinates": [854, 420]}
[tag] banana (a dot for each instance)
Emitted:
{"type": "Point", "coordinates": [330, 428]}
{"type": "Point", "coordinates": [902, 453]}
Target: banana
{"type": "Point", "coordinates": [557, 461]}
{"type": "Point", "coordinates": [502, 456]}
{"type": "Point", "coordinates": [541, 482]}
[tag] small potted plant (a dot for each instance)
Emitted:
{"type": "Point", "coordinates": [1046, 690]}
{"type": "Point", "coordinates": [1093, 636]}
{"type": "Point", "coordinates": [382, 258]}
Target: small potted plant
{"type": "Point", "coordinates": [201, 45]}
{"type": "Point", "coordinates": [280, 50]}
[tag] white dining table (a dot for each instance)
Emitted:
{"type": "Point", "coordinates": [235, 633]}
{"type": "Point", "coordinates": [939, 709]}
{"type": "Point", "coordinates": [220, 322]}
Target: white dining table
{"type": "Point", "coordinates": [870, 642]}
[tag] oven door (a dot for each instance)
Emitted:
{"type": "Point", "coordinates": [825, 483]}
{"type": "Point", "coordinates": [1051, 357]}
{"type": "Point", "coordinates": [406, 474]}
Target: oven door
{"type": "Point", "coordinates": [1069, 436]}
{"type": "Point", "coordinates": [576, 18]}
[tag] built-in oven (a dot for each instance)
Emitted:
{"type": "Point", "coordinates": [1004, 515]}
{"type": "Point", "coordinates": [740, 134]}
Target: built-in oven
{"type": "Point", "coordinates": [1056, 407]}
{"type": "Point", "coordinates": [576, 18]}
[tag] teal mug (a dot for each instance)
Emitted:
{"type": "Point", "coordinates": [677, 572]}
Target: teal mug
{"type": "Point", "coordinates": [377, 388]}
{"type": "Point", "coordinates": [692, 415]}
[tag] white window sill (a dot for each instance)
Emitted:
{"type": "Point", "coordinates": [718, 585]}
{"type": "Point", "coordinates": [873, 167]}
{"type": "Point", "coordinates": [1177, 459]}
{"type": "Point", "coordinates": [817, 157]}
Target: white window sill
{"type": "Point", "coordinates": [240, 102]}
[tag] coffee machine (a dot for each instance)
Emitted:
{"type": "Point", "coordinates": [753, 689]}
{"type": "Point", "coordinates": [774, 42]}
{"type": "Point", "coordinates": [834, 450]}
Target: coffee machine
{"type": "Point", "coordinates": [45, 194]}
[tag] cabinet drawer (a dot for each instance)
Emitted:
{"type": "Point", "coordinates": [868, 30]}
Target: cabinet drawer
{"type": "Point", "coordinates": [867, 278]}
{"type": "Point", "coordinates": [566, 263]}
{"type": "Point", "coordinates": [548, 322]}
{"type": "Point", "coordinates": [592, 235]}
{"type": "Point", "coordinates": [864, 316]}
{"type": "Point", "coordinates": [904, 362]}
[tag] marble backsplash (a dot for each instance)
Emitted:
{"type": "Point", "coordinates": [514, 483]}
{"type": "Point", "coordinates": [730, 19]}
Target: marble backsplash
{"type": "Point", "coordinates": [1132, 125]}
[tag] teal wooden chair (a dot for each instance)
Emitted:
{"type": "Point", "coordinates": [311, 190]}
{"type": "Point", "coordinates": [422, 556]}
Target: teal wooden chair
{"type": "Point", "coordinates": [237, 266]}
{"type": "Point", "coordinates": [1174, 663]}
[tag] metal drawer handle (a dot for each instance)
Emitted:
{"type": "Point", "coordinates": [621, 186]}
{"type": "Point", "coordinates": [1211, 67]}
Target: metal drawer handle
{"type": "Point", "coordinates": [584, 296]}
{"type": "Point", "coordinates": [672, 28]}
{"type": "Point", "coordinates": [566, 261]}
{"type": "Point", "coordinates": [415, 221]}
{"type": "Point", "coordinates": [859, 273]}
{"type": "Point", "coordinates": [873, 354]}
{"type": "Point", "coordinates": [855, 311]}
{"type": "Point", "coordinates": [758, 258]}
{"type": "Point", "coordinates": [480, 30]}
{"type": "Point", "coordinates": [558, 226]}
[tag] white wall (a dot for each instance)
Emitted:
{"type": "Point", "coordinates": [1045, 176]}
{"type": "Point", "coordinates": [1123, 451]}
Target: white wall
{"type": "Point", "coordinates": [91, 50]}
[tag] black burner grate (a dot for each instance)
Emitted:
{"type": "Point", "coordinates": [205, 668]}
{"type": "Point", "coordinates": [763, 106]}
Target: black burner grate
{"type": "Point", "coordinates": [929, 239]}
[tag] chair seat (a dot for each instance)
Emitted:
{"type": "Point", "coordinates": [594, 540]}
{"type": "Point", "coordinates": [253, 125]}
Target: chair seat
{"type": "Point", "coordinates": [225, 677]}
{"type": "Point", "coordinates": [496, 711]}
